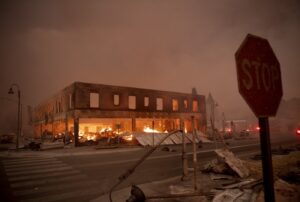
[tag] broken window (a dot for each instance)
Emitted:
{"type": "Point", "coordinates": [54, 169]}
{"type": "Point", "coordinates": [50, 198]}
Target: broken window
{"type": "Point", "coordinates": [116, 99]}
{"type": "Point", "coordinates": [195, 105]}
{"type": "Point", "coordinates": [159, 104]}
{"type": "Point", "coordinates": [146, 101]}
{"type": "Point", "coordinates": [185, 103]}
{"type": "Point", "coordinates": [94, 100]}
{"type": "Point", "coordinates": [131, 102]}
{"type": "Point", "coordinates": [175, 105]}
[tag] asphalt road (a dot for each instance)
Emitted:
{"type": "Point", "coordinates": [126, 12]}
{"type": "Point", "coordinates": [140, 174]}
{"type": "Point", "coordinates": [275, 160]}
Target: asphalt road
{"type": "Point", "coordinates": [40, 177]}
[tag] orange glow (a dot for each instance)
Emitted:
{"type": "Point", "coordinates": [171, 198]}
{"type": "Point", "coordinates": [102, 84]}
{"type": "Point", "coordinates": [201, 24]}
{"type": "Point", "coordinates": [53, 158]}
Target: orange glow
{"type": "Point", "coordinates": [257, 128]}
{"type": "Point", "coordinates": [149, 130]}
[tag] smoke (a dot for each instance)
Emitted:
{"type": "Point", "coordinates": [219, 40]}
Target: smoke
{"type": "Point", "coordinates": [168, 45]}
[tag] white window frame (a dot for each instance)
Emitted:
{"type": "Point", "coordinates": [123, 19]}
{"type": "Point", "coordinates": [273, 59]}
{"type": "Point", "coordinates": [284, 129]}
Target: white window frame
{"type": "Point", "coordinates": [159, 104]}
{"type": "Point", "coordinates": [94, 100]}
{"type": "Point", "coordinates": [132, 102]}
{"type": "Point", "coordinates": [146, 101]}
{"type": "Point", "coordinates": [116, 99]}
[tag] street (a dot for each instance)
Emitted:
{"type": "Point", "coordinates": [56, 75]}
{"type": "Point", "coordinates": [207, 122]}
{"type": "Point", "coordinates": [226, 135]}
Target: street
{"type": "Point", "coordinates": [50, 176]}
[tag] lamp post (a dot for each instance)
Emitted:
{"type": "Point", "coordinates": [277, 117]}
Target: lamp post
{"type": "Point", "coordinates": [19, 111]}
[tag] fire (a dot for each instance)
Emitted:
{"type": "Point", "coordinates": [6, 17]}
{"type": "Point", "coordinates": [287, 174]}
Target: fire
{"type": "Point", "coordinates": [105, 129]}
{"type": "Point", "coordinates": [149, 130]}
{"type": "Point", "coordinates": [128, 137]}
{"type": "Point", "coordinates": [91, 137]}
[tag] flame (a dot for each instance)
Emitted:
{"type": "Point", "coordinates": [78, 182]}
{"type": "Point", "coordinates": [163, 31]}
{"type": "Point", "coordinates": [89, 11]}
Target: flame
{"type": "Point", "coordinates": [105, 129]}
{"type": "Point", "coordinates": [149, 130]}
{"type": "Point", "coordinates": [128, 137]}
{"type": "Point", "coordinates": [91, 137]}
{"type": "Point", "coordinates": [81, 133]}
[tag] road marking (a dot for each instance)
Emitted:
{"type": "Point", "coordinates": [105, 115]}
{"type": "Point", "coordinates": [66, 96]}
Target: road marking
{"type": "Point", "coordinates": [28, 172]}
{"type": "Point", "coordinates": [39, 182]}
{"type": "Point", "coordinates": [18, 168]}
{"type": "Point", "coordinates": [32, 164]}
{"type": "Point", "coordinates": [56, 187]}
{"type": "Point", "coordinates": [42, 175]}
{"type": "Point", "coordinates": [44, 179]}
{"type": "Point", "coordinates": [26, 161]}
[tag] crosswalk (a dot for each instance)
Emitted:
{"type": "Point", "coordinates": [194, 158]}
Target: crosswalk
{"type": "Point", "coordinates": [46, 179]}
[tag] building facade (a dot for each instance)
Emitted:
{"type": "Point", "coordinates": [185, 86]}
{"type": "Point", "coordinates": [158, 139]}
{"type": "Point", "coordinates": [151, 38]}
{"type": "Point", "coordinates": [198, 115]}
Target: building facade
{"type": "Point", "coordinates": [92, 111]}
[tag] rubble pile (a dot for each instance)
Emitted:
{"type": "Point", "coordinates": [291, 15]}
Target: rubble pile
{"type": "Point", "coordinates": [238, 180]}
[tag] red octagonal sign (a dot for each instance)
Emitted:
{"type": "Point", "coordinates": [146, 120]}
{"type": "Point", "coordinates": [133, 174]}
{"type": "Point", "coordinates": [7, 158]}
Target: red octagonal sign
{"type": "Point", "coordinates": [259, 76]}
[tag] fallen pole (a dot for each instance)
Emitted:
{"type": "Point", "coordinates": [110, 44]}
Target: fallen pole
{"type": "Point", "coordinates": [129, 171]}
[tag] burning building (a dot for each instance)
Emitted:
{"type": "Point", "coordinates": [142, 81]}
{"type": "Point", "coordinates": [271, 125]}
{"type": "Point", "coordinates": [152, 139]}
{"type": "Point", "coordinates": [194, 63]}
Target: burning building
{"type": "Point", "coordinates": [89, 112]}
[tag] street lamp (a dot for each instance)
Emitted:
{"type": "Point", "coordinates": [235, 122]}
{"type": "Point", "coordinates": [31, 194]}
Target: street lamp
{"type": "Point", "coordinates": [19, 111]}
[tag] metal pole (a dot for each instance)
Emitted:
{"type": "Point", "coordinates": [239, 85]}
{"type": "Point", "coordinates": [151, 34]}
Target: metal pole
{"type": "Point", "coordinates": [19, 119]}
{"type": "Point", "coordinates": [194, 153]}
{"type": "Point", "coordinates": [184, 158]}
{"type": "Point", "coordinates": [265, 146]}
{"type": "Point", "coordinates": [141, 160]}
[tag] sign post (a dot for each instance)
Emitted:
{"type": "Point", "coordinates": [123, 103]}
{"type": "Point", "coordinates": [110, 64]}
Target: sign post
{"type": "Point", "coordinates": [259, 83]}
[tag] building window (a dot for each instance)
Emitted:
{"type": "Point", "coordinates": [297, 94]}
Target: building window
{"type": "Point", "coordinates": [185, 103]}
{"type": "Point", "coordinates": [195, 105]}
{"type": "Point", "coordinates": [70, 101]}
{"type": "Point", "coordinates": [146, 101]}
{"type": "Point", "coordinates": [159, 104]}
{"type": "Point", "coordinates": [131, 102]}
{"type": "Point", "coordinates": [175, 105]}
{"type": "Point", "coordinates": [94, 100]}
{"type": "Point", "coordinates": [116, 99]}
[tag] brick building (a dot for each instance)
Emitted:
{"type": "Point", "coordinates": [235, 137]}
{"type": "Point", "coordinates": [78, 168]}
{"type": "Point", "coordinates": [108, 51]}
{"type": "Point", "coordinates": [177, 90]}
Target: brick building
{"type": "Point", "coordinates": [91, 111]}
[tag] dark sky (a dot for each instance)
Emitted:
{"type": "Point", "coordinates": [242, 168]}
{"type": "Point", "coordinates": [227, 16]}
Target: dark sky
{"type": "Point", "coordinates": [171, 45]}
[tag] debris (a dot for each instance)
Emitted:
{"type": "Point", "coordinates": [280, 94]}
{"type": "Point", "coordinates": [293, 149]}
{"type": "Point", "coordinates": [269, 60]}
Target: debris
{"type": "Point", "coordinates": [239, 184]}
{"type": "Point", "coordinates": [228, 195]}
{"type": "Point", "coordinates": [291, 174]}
{"type": "Point", "coordinates": [283, 192]}
{"type": "Point", "coordinates": [181, 189]}
{"type": "Point", "coordinates": [220, 177]}
{"type": "Point", "coordinates": [233, 162]}
{"type": "Point", "coordinates": [217, 166]}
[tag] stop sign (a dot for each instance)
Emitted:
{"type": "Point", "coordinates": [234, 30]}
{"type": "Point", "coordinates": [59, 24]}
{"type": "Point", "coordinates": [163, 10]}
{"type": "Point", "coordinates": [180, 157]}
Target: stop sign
{"type": "Point", "coordinates": [259, 76]}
